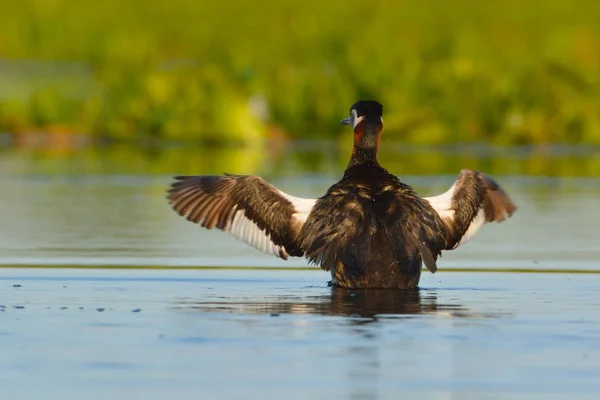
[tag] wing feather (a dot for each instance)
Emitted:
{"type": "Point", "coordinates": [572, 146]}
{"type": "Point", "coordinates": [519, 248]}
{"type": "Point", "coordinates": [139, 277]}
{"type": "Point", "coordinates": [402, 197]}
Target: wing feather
{"type": "Point", "coordinates": [247, 207]}
{"type": "Point", "coordinates": [473, 200]}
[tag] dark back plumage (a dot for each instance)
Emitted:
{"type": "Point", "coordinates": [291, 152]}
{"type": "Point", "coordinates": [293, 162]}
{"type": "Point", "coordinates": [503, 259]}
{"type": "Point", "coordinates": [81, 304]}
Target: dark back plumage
{"type": "Point", "coordinates": [371, 230]}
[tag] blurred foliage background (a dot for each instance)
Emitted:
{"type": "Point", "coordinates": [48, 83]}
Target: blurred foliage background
{"type": "Point", "coordinates": [506, 72]}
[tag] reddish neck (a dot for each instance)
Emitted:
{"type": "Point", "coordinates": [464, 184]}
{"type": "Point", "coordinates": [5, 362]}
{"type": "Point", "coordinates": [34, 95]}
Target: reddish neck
{"type": "Point", "coordinates": [366, 144]}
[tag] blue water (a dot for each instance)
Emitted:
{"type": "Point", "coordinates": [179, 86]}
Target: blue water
{"type": "Point", "coordinates": [273, 334]}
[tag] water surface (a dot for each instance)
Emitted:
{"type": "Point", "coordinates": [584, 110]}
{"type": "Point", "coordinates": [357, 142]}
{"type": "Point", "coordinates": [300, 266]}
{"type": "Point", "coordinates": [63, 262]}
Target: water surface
{"type": "Point", "coordinates": [105, 291]}
{"type": "Point", "coordinates": [58, 211]}
{"type": "Point", "coordinates": [274, 334]}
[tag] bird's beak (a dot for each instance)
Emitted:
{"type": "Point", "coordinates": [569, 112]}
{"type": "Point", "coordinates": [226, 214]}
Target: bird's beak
{"type": "Point", "coordinates": [346, 121]}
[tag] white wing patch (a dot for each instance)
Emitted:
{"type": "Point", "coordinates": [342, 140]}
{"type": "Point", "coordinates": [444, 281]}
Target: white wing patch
{"type": "Point", "coordinates": [303, 206]}
{"type": "Point", "coordinates": [442, 204]}
{"type": "Point", "coordinates": [248, 232]}
{"type": "Point", "coordinates": [474, 227]}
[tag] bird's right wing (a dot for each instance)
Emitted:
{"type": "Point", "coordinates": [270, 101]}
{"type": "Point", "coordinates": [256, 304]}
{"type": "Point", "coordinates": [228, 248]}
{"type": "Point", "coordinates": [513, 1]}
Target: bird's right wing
{"type": "Point", "coordinates": [474, 199]}
{"type": "Point", "coordinates": [247, 207]}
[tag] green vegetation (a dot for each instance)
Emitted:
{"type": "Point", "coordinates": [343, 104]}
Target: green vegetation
{"type": "Point", "coordinates": [504, 72]}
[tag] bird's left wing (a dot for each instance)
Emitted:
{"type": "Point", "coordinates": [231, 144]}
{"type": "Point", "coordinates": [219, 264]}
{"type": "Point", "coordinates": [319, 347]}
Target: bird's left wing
{"type": "Point", "coordinates": [474, 199]}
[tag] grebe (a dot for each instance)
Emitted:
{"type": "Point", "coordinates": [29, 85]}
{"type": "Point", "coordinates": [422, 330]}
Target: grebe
{"type": "Point", "coordinates": [369, 230]}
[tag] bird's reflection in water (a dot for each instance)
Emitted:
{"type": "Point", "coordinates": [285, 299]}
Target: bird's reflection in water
{"type": "Point", "coordinates": [366, 305]}
{"type": "Point", "coordinates": [365, 308]}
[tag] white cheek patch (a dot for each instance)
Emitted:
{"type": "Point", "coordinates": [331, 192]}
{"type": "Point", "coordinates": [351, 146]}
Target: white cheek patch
{"type": "Point", "coordinates": [356, 119]}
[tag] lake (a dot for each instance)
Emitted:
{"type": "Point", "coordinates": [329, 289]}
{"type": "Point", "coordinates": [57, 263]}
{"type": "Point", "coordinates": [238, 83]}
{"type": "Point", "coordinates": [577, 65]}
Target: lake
{"type": "Point", "coordinates": [105, 291]}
